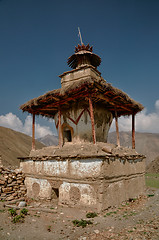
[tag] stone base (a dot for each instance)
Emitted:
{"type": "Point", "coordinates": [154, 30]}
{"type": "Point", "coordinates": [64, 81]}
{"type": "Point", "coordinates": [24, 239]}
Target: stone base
{"type": "Point", "coordinates": [95, 183]}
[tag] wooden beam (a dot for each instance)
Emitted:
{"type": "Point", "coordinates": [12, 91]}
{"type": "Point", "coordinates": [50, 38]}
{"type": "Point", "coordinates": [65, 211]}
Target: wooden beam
{"type": "Point", "coordinates": [33, 132]}
{"type": "Point", "coordinates": [92, 120]}
{"type": "Point", "coordinates": [133, 131]}
{"type": "Point", "coordinates": [109, 100]}
{"type": "Point", "coordinates": [64, 101]}
{"type": "Point", "coordinates": [60, 128]}
{"type": "Point", "coordinates": [117, 129]}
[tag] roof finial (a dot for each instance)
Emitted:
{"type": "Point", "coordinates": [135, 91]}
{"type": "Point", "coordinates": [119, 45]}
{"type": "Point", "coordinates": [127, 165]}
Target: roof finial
{"type": "Point", "coordinates": [79, 34]}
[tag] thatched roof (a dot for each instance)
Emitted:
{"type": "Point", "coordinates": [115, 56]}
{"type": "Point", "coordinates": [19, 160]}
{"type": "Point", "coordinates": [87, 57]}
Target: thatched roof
{"type": "Point", "coordinates": [101, 92]}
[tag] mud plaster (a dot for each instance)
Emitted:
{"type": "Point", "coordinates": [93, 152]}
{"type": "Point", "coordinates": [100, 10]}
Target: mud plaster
{"type": "Point", "coordinates": [96, 183]}
{"type": "Point", "coordinates": [82, 129]}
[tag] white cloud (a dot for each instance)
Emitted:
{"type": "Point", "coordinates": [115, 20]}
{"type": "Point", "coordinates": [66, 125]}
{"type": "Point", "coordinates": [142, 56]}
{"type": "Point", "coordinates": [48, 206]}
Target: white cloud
{"type": "Point", "coordinates": [12, 121]}
{"type": "Point", "coordinates": [144, 122]}
{"type": "Point", "coordinates": [157, 105]}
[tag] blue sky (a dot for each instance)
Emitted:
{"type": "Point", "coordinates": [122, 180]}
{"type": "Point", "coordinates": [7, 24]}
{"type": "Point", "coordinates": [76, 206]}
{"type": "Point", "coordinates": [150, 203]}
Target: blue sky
{"type": "Point", "coordinates": [37, 37]}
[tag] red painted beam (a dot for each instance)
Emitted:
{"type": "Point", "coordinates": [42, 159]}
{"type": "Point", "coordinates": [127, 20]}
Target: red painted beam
{"type": "Point", "coordinates": [33, 132]}
{"type": "Point", "coordinates": [92, 120]}
{"type": "Point", "coordinates": [60, 128]}
{"type": "Point", "coordinates": [133, 131]}
{"type": "Point", "coordinates": [117, 129]}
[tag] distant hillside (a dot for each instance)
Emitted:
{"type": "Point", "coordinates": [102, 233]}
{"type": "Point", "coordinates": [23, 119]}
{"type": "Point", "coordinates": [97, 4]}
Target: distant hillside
{"type": "Point", "coordinates": [14, 144]}
{"type": "Point", "coordinates": [49, 140]}
{"type": "Point", "coordinates": [146, 143]}
{"type": "Point", "coordinates": [153, 167]}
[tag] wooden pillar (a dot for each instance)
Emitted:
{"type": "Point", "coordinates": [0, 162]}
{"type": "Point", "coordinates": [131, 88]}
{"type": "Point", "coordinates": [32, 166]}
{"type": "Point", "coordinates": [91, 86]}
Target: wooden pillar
{"type": "Point", "coordinates": [33, 132]}
{"type": "Point", "coordinates": [133, 131]}
{"type": "Point", "coordinates": [92, 120]}
{"type": "Point", "coordinates": [60, 129]}
{"type": "Point", "coordinates": [117, 129]}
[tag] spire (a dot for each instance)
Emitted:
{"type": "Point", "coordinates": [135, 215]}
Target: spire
{"type": "Point", "coordinates": [83, 55]}
{"type": "Point", "coordinates": [79, 34]}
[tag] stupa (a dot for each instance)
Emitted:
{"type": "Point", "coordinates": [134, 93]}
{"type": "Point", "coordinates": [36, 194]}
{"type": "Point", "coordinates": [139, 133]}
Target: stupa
{"type": "Point", "coordinates": [84, 170]}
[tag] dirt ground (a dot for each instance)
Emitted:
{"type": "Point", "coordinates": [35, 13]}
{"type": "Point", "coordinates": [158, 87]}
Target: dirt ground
{"type": "Point", "coordinates": [133, 220]}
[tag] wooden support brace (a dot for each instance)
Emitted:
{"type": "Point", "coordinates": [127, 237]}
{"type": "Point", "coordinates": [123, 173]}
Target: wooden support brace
{"type": "Point", "coordinates": [92, 120]}
{"type": "Point", "coordinates": [60, 128]}
{"type": "Point", "coordinates": [117, 129]}
{"type": "Point", "coordinates": [133, 131]}
{"type": "Point", "coordinates": [33, 132]}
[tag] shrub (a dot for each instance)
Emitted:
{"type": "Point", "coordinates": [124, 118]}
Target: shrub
{"type": "Point", "coordinates": [91, 215]}
{"type": "Point", "coordinates": [18, 218]}
{"type": "Point", "coordinates": [82, 223]}
{"type": "Point", "coordinates": [12, 212]}
{"type": "Point", "coordinates": [24, 211]}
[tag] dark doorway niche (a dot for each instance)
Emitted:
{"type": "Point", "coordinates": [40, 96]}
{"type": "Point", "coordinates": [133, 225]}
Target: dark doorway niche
{"type": "Point", "coordinates": [67, 137]}
{"type": "Point", "coordinates": [55, 193]}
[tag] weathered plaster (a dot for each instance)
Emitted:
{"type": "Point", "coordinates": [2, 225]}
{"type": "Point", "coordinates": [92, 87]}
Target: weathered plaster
{"type": "Point", "coordinates": [80, 125]}
{"type": "Point", "coordinates": [82, 194]}
{"type": "Point", "coordinates": [92, 182]}
{"type": "Point", "coordinates": [78, 74]}
{"type": "Point", "coordinates": [83, 168]}
{"type": "Point", "coordinates": [42, 189]}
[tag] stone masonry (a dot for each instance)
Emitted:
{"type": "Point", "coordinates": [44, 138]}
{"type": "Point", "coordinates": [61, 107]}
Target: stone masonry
{"type": "Point", "coordinates": [12, 184]}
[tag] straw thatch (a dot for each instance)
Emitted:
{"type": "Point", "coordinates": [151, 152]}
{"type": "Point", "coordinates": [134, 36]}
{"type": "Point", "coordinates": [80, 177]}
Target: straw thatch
{"type": "Point", "coordinates": [83, 54]}
{"type": "Point", "coordinates": [100, 91]}
{"type": "Point", "coordinates": [94, 59]}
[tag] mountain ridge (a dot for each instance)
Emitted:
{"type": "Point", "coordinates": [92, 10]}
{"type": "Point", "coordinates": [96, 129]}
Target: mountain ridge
{"type": "Point", "coordinates": [49, 140]}
{"type": "Point", "coordinates": [146, 143]}
{"type": "Point", "coordinates": [14, 144]}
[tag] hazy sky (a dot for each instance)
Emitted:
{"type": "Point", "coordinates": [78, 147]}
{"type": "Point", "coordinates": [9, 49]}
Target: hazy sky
{"type": "Point", "coordinates": [37, 37]}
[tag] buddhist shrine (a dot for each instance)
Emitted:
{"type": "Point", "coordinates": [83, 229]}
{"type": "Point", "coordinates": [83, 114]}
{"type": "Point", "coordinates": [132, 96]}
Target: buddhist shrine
{"type": "Point", "coordinates": [84, 169]}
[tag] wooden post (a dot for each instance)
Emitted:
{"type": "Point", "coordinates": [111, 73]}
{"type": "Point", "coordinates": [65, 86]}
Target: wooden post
{"type": "Point", "coordinates": [117, 129]}
{"type": "Point", "coordinates": [92, 120]}
{"type": "Point", "coordinates": [60, 129]}
{"type": "Point", "coordinates": [133, 131]}
{"type": "Point", "coordinates": [33, 132]}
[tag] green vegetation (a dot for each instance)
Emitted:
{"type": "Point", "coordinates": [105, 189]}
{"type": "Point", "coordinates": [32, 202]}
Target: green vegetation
{"type": "Point", "coordinates": [91, 215]}
{"type": "Point", "coordinates": [110, 213]}
{"type": "Point", "coordinates": [152, 180]}
{"type": "Point", "coordinates": [12, 212]}
{"type": "Point", "coordinates": [18, 217]}
{"type": "Point", "coordinates": [132, 213]}
{"type": "Point", "coordinates": [35, 215]}
{"type": "Point", "coordinates": [151, 195]}
{"type": "Point", "coordinates": [152, 174]}
{"type": "Point", "coordinates": [24, 211]}
{"type": "Point", "coordinates": [81, 223]}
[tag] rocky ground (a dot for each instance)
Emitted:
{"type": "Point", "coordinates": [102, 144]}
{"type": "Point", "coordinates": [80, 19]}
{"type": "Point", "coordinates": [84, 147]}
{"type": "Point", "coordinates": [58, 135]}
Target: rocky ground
{"type": "Point", "coordinates": [133, 220]}
{"type": "Point", "coordinates": [84, 149]}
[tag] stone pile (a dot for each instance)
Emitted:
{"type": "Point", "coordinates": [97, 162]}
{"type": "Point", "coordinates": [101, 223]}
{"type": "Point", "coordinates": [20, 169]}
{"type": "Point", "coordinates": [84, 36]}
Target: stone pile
{"type": "Point", "coordinates": [12, 185]}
